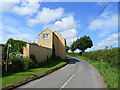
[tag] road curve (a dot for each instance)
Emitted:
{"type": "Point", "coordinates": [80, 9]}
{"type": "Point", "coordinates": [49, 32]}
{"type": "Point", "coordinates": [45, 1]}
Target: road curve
{"type": "Point", "coordinates": [77, 74]}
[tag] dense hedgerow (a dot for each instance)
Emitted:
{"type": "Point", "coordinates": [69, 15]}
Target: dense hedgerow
{"type": "Point", "coordinates": [106, 61]}
{"type": "Point", "coordinates": [105, 55]}
{"type": "Point", "coordinates": [19, 64]}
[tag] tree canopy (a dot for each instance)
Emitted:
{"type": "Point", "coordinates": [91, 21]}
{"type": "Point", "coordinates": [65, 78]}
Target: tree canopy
{"type": "Point", "coordinates": [82, 44]}
{"type": "Point", "coordinates": [16, 47]}
{"type": "Point", "coordinates": [67, 48]}
{"type": "Point", "coordinates": [73, 47]}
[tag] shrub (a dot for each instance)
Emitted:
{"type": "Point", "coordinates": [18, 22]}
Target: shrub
{"type": "Point", "coordinates": [106, 55]}
{"type": "Point", "coordinates": [19, 63]}
{"type": "Point", "coordinates": [34, 61]}
{"type": "Point", "coordinates": [3, 67]}
{"type": "Point", "coordinates": [33, 58]}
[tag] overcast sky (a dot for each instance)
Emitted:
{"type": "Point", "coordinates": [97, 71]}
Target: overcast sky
{"type": "Point", "coordinates": [25, 20]}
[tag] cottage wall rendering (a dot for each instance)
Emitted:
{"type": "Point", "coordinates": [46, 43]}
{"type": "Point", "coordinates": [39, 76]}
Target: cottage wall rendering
{"type": "Point", "coordinates": [43, 49]}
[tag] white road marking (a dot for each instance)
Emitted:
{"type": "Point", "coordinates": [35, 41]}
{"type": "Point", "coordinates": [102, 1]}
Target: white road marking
{"type": "Point", "coordinates": [67, 82]}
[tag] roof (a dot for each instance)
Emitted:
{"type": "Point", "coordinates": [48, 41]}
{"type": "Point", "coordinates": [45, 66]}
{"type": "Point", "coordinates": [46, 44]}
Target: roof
{"type": "Point", "coordinates": [59, 34]}
{"type": "Point", "coordinates": [51, 31]}
{"type": "Point", "coordinates": [44, 31]}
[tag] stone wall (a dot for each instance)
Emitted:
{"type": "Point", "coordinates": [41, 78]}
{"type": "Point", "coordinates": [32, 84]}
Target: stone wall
{"type": "Point", "coordinates": [41, 53]}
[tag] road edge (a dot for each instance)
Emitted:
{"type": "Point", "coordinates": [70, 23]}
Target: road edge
{"type": "Point", "coordinates": [34, 78]}
{"type": "Point", "coordinates": [96, 70]}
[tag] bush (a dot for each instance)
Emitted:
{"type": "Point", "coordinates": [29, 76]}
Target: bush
{"type": "Point", "coordinates": [34, 61]}
{"type": "Point", "coordinates": [33, 58]}
{"type": "Point", "coordinates": [19, 63]}
{"type": "Point", "coordinates": [106, 55]}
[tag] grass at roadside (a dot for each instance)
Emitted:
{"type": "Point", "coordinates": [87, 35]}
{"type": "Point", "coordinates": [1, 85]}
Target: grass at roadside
{"type": "Point", "coordinates": [22, 76]}
{"type": "Point", "coordinates": [107, 70]}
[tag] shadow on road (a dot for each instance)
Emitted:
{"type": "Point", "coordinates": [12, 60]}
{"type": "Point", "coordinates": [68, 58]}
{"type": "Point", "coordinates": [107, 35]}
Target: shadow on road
{"type": "Point", "coordinates": [72, 60]}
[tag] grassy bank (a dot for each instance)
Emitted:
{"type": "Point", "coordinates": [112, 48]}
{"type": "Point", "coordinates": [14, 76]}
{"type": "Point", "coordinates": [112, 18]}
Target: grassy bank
{"type": "Point", "coordinates": [108, 70]}
{"type": "Point", "coordinates": [21, 76]}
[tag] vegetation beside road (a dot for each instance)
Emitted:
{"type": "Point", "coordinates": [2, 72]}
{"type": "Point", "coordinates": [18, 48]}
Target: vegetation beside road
{"type": "Point", "coordinates": [22, 76]}
{"type": "Point", "coordinates": [16, 68]}
{"type": "Point", "coordinates": [106, 61]}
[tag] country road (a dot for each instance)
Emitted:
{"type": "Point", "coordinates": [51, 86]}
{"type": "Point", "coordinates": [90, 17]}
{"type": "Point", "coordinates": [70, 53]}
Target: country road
{"type": "Point", "coordinates": [77, 74]}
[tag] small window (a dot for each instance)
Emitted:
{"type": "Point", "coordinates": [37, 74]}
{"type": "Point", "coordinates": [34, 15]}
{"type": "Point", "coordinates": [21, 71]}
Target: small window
{"type": "Point", "coordinates": [45, 36]}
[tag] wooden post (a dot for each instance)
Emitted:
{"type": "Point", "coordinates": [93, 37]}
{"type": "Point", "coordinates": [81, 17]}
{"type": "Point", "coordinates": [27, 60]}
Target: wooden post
{"type": "Point", "coordinates": [6, 68]}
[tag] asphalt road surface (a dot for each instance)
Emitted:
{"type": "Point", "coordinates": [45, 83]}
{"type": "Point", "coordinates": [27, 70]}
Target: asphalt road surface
{"type": "Point", "coordinates": [77, 74]}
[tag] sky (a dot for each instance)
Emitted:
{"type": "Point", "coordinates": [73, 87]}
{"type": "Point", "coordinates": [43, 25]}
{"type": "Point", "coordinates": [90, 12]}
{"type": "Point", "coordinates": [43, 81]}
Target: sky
{"type": "Point", "coordinates": [24, 20]}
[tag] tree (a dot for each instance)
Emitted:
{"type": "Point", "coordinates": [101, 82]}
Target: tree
{"type": "Point", "coordinates": [73, 47]}
{"type": "Point", "coordinates": [16, 47]}
{"type": "Point", "coordinates": [67, 48]}
{"type": "Point", "coordinates": [83, 43]}
{"type": "Point", "coordinates": [106, 47]}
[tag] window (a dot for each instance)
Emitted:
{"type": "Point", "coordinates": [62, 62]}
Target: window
{"type": "Point", "coordinates": [45, 36]}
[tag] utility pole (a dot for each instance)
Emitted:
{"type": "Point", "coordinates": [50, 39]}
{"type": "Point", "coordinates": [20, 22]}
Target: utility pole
{"type": "Point", "coordinates": [6, 68]}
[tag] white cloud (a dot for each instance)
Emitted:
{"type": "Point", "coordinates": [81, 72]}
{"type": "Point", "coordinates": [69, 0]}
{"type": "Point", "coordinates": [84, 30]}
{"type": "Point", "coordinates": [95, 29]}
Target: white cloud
{"type": "Point", "coordinates": [67, 27]}
{"type": "Point", "coordinates": [26, 8]}
{"type": "Point", "coordinates": [69, 33]}
{"type": "Point", "coordinates": [20, 7]}
{"type": "Point", "coordinates": [66, 23]}
{"type": "Point", "coordinates": [70, 40]}
{"type": "Point", "coordinates": [6, 6]}
{"type": "Point", "coordinates": [106, 24]}
{"type": "Point", "coordinates": [89, 49]}
{"type": "Point", "coordinates": [46, 15]}
{"type": "Point", "coordinates": [9, 0]}
{"type": "Point", "coordinates": [110, 41]}
{"type": "Point", "coordinates": [20, 0]}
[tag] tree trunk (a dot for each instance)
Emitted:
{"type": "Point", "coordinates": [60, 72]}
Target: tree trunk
{"type": "Point", "coordinates": [82, 52]}
{"type": "Point", "coordinates": [6, 68]}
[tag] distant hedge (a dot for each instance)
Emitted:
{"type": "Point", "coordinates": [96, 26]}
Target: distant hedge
{"type": "Point", "coordinates": [105, 55]}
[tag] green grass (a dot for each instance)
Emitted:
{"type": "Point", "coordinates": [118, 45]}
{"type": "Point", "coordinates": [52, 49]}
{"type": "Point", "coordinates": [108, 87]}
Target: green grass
{"type": "Point", "coordinates": [73, 54]}
{"type": "Point", "coordinates": [22, 76]}
{"type": "Point", "coordinates": [107, 70]}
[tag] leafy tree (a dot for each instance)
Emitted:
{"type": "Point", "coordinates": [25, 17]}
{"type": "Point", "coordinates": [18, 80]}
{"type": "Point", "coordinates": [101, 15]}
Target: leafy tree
{"type": "Point", "coordinates": [16, 46]}
{"type": "Point", "coordinates": [67, 48]}
{"type": "Point", "coordinates": [73, 47]}
{"type": "Point", "coordinates": [83, 43]}
{"type": "Point", "coordinates": [106, 47]}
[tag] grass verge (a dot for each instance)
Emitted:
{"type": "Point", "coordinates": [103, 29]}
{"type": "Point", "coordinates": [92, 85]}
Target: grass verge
{"type": "Point", "coordinates": [22, 76]}
{"type": "Point", "coordinates": [107, 70]}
